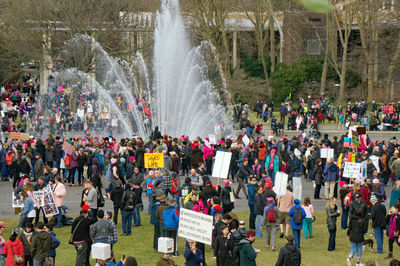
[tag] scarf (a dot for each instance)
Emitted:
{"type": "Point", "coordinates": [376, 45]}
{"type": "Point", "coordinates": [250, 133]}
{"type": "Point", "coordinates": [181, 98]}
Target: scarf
{"type": "Point", "coordinates": [28, 235]}
{"type": "Point", "coordinates": [392, 225]}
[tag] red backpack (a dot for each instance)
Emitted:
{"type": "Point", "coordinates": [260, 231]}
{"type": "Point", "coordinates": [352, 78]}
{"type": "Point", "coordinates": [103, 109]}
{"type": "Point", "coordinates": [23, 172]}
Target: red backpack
{"type": "Point", "coordinates": [271, 214]}
{"type": "Point", "coordinates": [67, 160]}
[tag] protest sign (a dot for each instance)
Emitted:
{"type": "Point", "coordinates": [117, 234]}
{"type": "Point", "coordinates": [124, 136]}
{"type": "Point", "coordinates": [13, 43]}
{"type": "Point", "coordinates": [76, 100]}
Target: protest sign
{"type": "Point", "coordinates": [68, 148]}
{"type": "Point", "coordinates": [39, 198]}
{"type": "Point", "coordinates": [375, 162]}
{"type": "Point", "coordinates": [297, 188]}
{"type": "Point", "coordinates": [49, 205]}
{"type": "Point", "coordinates": [361, 130]}
{"type": "Point", "coordinates": [352, 170]}
{"type": "Point", "coordinates": [222, 164]}
{"type": "Point", "coordinates": [346, 142]}
{"type": "Point", "coordinates": [354, 139]}
{"type": "Point", "coordinates": [246, 140]}
{"type": "Point", "coordinates": [153, 160]}
{"type": "Point", "coordinates": [195, 226]}
{"type": "Point", "coordinates": [213, 139]}
{"type": "Point", "coordinates": [327, 153]}
{"type": "Point", "coordinates": [16, 202]}
{"type": "Point", "coordinates": [19, 135]}
{"type": "Point", "coordinates": [280, 183]}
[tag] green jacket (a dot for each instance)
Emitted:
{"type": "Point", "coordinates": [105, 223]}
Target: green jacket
{"type": "Point", "coordinates": [247, 254]}
{"type": "Point", "coordinates": [41, 245]}
{"type": "Point", "coordinates": [395, 167]}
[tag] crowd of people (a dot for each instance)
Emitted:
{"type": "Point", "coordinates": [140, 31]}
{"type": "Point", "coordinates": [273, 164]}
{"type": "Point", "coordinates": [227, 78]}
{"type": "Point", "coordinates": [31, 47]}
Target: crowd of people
{"type": "Point", "coordinates": [185, 182]}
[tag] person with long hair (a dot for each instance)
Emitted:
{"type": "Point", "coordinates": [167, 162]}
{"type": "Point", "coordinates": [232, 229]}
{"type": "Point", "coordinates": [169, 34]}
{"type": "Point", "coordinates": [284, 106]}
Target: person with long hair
{"type": "Point", "coordinates": [395, 195]}
{"type": "Point", "coordinates": [332, 213]}
{"type": "Point", "coordinates": [59, 191]}
{"type": "Point", "coordinates": [13, 248]}
{"type": "Point", "coordinates": [393, 222]}
{"type": "Point", "coordinates": [307, 222]}
{"type": "Point", "coordinates": [317, 176]}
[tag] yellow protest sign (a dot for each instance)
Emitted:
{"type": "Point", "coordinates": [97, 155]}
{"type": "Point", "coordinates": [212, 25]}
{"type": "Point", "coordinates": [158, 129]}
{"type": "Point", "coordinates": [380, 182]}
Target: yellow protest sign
{"type": "Point", "coordinates": [153, 160]}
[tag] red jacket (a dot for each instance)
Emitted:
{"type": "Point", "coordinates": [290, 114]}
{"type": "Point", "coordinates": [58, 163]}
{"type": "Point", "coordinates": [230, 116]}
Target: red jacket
{"type": "Point", "coordinates": [18, 250]}
{"type": "Point", "coordinates": [366, 195]}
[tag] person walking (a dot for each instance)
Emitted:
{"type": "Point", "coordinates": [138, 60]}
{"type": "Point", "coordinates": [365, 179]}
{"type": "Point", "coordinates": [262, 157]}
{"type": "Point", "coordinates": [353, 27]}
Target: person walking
{"type": "Point", "coordinates": [331, 174]}
{"type": "Point", "coordinates": [297, 215]}
{"type": "Point", "coordinates": [307, 222]}
{"type": "Point", "coordinates": [59, 193]}
{"type": "Point", "coordinates": [271, 221]}
{"type": "Point", "coordinates": [378, 214]}
{"type": "Point", "coordinates": [393, 222]}
{"type": "Point", "coordinates": [41, 246]}
{"type": "Point", "coordinates": [285, 204]}
{"type": "Point", "coordinates": [244, 172]}
{"type": "Point", "coordinates": [289, 255]}
{"type": "Point", "coordinates": [331, 214]}
{"type": "Point", "coordinates": [355, 233]}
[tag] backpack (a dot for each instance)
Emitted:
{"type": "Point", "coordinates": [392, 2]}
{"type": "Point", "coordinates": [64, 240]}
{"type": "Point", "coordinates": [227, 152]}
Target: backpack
{"type": "Point", "coordinates": [100, 200]}
{"type": "Point", "coordinates": [271, 215]}
{"type": "Point", "coordinates": [297, 216]}
{"type": "Point", "coordinates": [67, 160]}
{"type": "Point", "coordinates": [293, 258]}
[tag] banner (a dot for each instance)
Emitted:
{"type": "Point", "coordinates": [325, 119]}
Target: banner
{"type": "Point", "coordinates": [195, 226]}
{"type": "Point", "coordinates": [280, 183]}
{"type": "Point", "coordinates": [222, 164]}
{"type": "Point", "coordinates": [19, 135]}
{"type": "Point", "coordinates": [327, 153]}
{"type": "Point", "coordinates": [297, 188]}
{"type": "Point", "coordinates": [68, 148]}
{"type": "Point", "coordinates": [153, 160]}
{"type": "Point", "coordinates": [49, 205]}
{"type": "Point", "coordinates": [352, 170]}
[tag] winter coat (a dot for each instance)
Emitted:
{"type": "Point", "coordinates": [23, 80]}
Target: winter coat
{"type": "Point", "coordinates": [18, 249]}
{"type": "Point", "coordinates": [73, 160]}
{"type": "Point", "coordinates": [171, 218]}
{"type": "Point", "coordinates": [59, 192]}
{"type": "Point", "coordinates": [247, 253]}
{"type": "Point", "coordinates": [27, 244]}
{"type": "Point", "coordinates": [130, 170]}
{"type": "Point", "coordinates": [225, 196]}
{"type": "Point", "coordinates": [331, 215]}
{"type": "Point", "coordinates": [223, 247]}
{"type": "Point", "coordinates": [283, 258]}
{"type": "Point", "coordinates": [55, 245]}
{"type": "Point", "coordinates": [317, 175]}
{"type": "Point", "coordinates": [275, 163]}
{"type": "Point", "coordinates": [362, 206]}
{"type": "Point", "coordinates": [291, 214]}
{"type": "Point", "coordinates": [82, 232]}
{"type": "Point", "coordinates": [244, 171]}
{"type": "Point", "coordinates": [356, 229]}
{"type": "Point", "coordinates": [193, 259]}
{"type": "Point", "coordinates": [153, 219]}
{"type": "Point", "coordinates": [101, 229]}
{"type": "Point", "coordinates": [196, 156]}
{"type": "Point", "coordinates": [48, 153]}
{"type": "Point", "coordinates": [265, 215]}
{"type": "Point", "coordinates": [378, 214]}
{"type": "Point", "coordinates": [259, 204]}
{"type": "Point", "coordinates": [128, 200]}
{"type": "Point", "coordinates": [38, 168]}
{"type": "Point", "coordinates": [41, 245]}
{"type": "Point", "coordinates": [252, 190]}
{"type": "Point", "coordinates": [167, 163]}
{"type": "Point", "coordinates": [331, 172]}
{"type": "Point", "coordinates": [28, 206]}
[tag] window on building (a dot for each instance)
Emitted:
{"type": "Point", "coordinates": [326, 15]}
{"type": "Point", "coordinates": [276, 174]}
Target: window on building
{"type": "Point", "coordinates": [313, 47]}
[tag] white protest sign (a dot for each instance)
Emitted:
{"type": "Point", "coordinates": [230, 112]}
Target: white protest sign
{"type": "Point", "coordinates": [39, 198]}
{"type": "Point", "coordinates": [16, 202]}
{"type": "Point", "coordinates": [222, 164]}
{"type": "Point", "coordinates": [49, 205]}
{"type": "Point", "coordinates": [297, 188]}
{"type": "Point", "coordinates": [246, 140]}
{"type": "Point", "coordinates": [352, 170]}
{"type": "Point", "coordinates": [195, 226]}
{"type": "Point", "coordinates": [212, 139]}
{"type": "Point", "coordinates": [375, 161]}
{"type": "Point", "coordinates": [327, 153]}
{"type": "Point", "coordinates": [280, 183]}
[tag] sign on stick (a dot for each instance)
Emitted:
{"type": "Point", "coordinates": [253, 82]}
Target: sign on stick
{"type": "Point", "coordinates": [153, 160]}
{"type": "Point", "coordinates": [195, 226]}
{"type": "Point", "coordinates": [222, 164]}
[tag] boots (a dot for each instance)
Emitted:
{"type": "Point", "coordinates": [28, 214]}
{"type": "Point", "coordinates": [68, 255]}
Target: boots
{"type": "Point", "coordinates": [389, 256]}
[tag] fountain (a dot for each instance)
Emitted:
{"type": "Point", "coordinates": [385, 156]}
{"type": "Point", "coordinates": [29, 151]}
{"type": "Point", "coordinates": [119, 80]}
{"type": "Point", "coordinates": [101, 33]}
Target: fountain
{"type": "Point", "coordinates": [181, 99]}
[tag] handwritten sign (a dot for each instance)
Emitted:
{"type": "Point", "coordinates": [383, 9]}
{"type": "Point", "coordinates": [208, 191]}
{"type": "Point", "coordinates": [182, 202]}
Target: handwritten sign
{"type": "Point", "coordinates": [222, 164]}
{"type": "Point", "coordinates": [351, 170]}
{"type": "Point", "coordinates": [246, 140]}
{"type": "Point", "coordinates": [354, 139]}
{"type": "Point", "coordinates": [68, 148]}
{"type": "Point", "coordinates": [327, 153]}
{"type": "Point", "coordinates": [213, 139]}
{"type": "Point", "coordinates": [153, 160]}
{"type": "Point", "coordinates": [19, 135]}
{"type": "Point", "coordinates": [195, 226]}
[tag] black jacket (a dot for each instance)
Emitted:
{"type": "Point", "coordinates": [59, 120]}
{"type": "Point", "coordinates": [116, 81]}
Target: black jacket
{"type": "Point", "coordinates": [116, 196]}
{"type": "Point", "coordinates": [378, 214]}
{"type": "Point", "coordinates": [244, 171]}
{"type": "Point", "coordinates": [82, 232]}
{"type": "Point", "coordinates": [259, 204]}
{"type": "Point", "coordinates": [283, 258]}
{"type": "Point", "coordinates": [356, 229]}
{"type": "Point", "coordinates": [223, 247]}
{"type": "Point", "coordinates": [317, 174]}
{"type": "Point", "coordinates": [128, 201]}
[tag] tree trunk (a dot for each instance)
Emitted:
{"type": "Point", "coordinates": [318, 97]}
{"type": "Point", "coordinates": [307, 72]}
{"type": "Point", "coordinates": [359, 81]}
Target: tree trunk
{"type": "Point", "coordinates": [327, 52]}
{"type": "Point", "coordinates": [344, 69]}
{"type": "Point", "coordinates": [391, 69]}
{"type": "Point", "coordinates": [272, 43]}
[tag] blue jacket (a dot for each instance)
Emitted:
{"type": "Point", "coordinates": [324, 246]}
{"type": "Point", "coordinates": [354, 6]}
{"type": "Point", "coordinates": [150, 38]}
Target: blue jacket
{"type": "Point", "coordinates": [28, 206]}
{"type": "Point", "coordinates": [171, 217]}
{"type": "Point", "coordinates": [252, 192]}
{"type": "Point", "coordinates": [331, 172]}
{"type": "Point", "coordinates": [56, 243]}
{"type": "Point", "coordinates": [193, 259]}
{"type": "Point", "coordinates": [153, 219]}
{"type": "Point", "coordinates": [291, 213]}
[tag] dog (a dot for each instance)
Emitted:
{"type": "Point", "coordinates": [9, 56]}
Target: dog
{"type": "Point", "coordinates": [368, 243]}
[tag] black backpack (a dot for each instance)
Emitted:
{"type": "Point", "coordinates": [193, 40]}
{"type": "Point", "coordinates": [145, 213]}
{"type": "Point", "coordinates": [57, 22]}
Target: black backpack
{"type": "Point", "coordinates": [293, 258]}
{"type": "Point", "coordinates": [100, 200]}
{"type": "Point", "coordinates": [297, 216]}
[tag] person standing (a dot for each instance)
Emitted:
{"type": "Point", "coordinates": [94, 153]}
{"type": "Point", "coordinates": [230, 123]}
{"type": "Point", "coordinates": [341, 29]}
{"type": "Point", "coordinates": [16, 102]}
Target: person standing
{"type": "Point", "coordinates": [307, 222]}
{"type": "Point", "coordinates": [13, 247]}
{"type": "Point", "coordinates": [101, 230]}
{"type": "Point", "coordinates": [90, 198]}
{"type": "Point", "coordinates": [317, 177]}
{"type": "Point", "coordinates": [193, 256]}
{"type": "Point", "coordinates": [40, 185]}
{"type": "Point", "coordinates": [170, 217]}
{"type": "Point", "coordinates": [252, 188]}
{"type": "Point", "coordinates": [297, 215]}
{"type": "Point", "coordinates": [259, 205]}
{"type": "Point", "coordinates": [270, 220]}
{"type": "Point", "coordinates": [223, 246]}
{"type": "Point", "coordinates": [80, 236]}
{"type": "Point", "coordinates": [248, 254]}
{"type": "Point", "coordinates": [116, 197]}
{"type": "Point", "coordinates": [41, 245]}
{"type": "Point", "coordinates": [343, 191]}
{"type": "Point", "coordinates": [49, 228]}
{"type": "Point", "coordinates": [285, 205]}
{"type": "Point", "coordinates": [139, 204]}
{"type": "Point", "coordinates": [331, 214]}
{"type": "Point", "coordinates": [128, 203]}
{"type": "Point", "coordinates": [355, 233]}
{"type": "Point", "coordinates": [25, 237]}
{"type": "Point", "coordinates": [114, 235]}
{"type": "Point", "coordinates": [331, 173]}
{"type": "Point", "coordinates": [378, 214]}
{"type": "Point", "coordinates": [59, 192]}
{"type": "Point", "coordinates": [2, 243]}
{"type": "Point", "coordinates": [272, 164]}
{"type": "Point", "coordinates": [393, 222]}
{"type": "Point", "coordinates": [289, 255]}
{"type": "Point", "coordinates": [28, 213]}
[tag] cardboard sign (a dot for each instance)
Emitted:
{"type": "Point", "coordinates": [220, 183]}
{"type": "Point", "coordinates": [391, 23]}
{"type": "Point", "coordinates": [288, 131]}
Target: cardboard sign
{"type": "Point", "coordinates": [68, 148]}
{"type": "Point", "coordinates": [375, 162]}
{"type": "Point", "coordinates": [327, 153]}
{"type": "Point", "coordinates": [352, 170]}
{"type": "Point", "coordinates": [280, 183]}
{"type": "Point", "coordinates": [361, 130]}
{"type": "Point", "coordinates": [195, 226]}
{"type": "Point", "coordinates": [49, 205]}
{"type": "Point", "coordinates": [222, 164]}
{"type": "Point", "coordinates": [246, 140]}
{"type": "Point", "coordinates": [19, 135]}
{"type": "Point", "coordinates": [346, 142]}
{"type": "Point", "coordinates": [153, 160]}
{"type": "Point", "coordinates": [297, 188]}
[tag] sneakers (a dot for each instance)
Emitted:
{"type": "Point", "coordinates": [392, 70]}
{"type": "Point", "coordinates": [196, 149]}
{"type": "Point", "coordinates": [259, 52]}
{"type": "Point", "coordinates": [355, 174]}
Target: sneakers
{"type": "Point", "coordinates": [273, 248]}
{"type": "Point", "coordinates": [359, 264]}
{"type": "Point", "coordinates": [281, 235]}
{"type": "Point", "coordinates": [348, 262]}
{"type": "Point", "coordinates": [176, 254]}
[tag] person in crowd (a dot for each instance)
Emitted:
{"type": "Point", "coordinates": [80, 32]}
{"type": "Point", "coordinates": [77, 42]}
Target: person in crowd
{"type": "Point", "coordinates": [90, 198]}
{"type": "Point", "coordinates": [272, 164]}
{"type": "Point", "coordinates": [113, 238]}
{"type": "Point", "coordinates": [80, 236]}
{"type": "Point", "coordinates": [128, 203]}
{"type": "Point", "coordinates": [49, 229]}
{"type": "Point", "coordinates": [2, 243]}
{"type": "Point", "coordinates": [59, 193]}
{"type": "Point", "coordinates": [28, 213]}
{"type": "Point", "coordinates": [332, 213]}
{"type": "Point", "coordinates": [259, 205]}
{"type": "Point", "coordinates": [252, 189]}
{"type": "Point", "coordinates": [39, 186]}
{"type": "Point", "coordinates": [193, 256]}
{"type": "Point", "coordinates": [355, 233]}
{"type": "Point", "coordinates": [116, 197]}
{"type": "Point", "coordinates": [285, 204]}
{"type": "Point", "coordinates": [41, 245]}
{"type": "Point", "coordinates": [343, 192]}
{"type": "Point", "coordinates": [393, 226]}
{"type": "Point", "coordinates": [297, 215]}
{"type": "Point", "coordinates": [395, 194]}
{"type": "Point", "coordinates": [13, 249]}
{"type": "Point", "coordinates": [289, 254]}
{"type": "Point", "coordinates": [101, 230]}
{"type": "Point", "coordinates": [243, 174]}
{"type": "Point", "coordinates": [307, 222]}
{"type": "Point", "coordinates": [317, 176]}
{"type": "Point", "coordinates": [227, 197]}
{"type": "Point", "coordinates": [160, 198]}
{"type": "Point", "coordinates": [378, 214]}
{"type": "Point", "coordinates": [25, 237]}
{"type": "Point", "coordinates": [248, 254]}
{"type": "Point", "coordinates": [331, 174]}
{"type": "Point", "coordinates": [270, 220]}
{"type": "Point", "coordinates": [137, 189]}
{"type": "Point", "coordinates": [165, 260]}
{"type": "Point", "coordinates": [223, 246]}
{"type": "Point", "coordinates": [170, 217]}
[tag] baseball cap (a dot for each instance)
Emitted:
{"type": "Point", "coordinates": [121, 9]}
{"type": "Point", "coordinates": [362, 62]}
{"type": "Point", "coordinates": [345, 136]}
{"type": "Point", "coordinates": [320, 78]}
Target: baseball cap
{"type": "Point", "coordinates": [357, 195]}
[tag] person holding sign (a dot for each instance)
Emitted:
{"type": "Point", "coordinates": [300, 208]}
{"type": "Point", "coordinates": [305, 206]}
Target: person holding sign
{"type": "Point", "coordinates": [193, 256]}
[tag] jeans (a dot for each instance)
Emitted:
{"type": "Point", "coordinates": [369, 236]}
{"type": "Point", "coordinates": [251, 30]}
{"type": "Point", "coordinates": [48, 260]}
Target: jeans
{"type": "Point", "coordinates": [296, 235]}
{"type": "Point", "coordinates": [356, 247]}
{"type": "Point", "coordinates": [59, 217]}
{"type": "Point", "coordinates": [307, 224]}
{"type": "Point", "coordinates": [270, 234]}
{"type": "Point", "coordinates": [105, 240]}
{"type": "Point", "coordinates": [332, 240]}
{"type": "Point", "coordinates": [93, 213]}
{"type": "Point", "coordinates": [150, 198]}
{"type": "Point", "coordinates": [345, 215]}
{"type": "Point", "coordinates": [136, 215]}
{"type": "Point", "coordinates": [378, 234]}
{"type": "Point", "coordinates": [82, 250]}
{"type": "Point", "coordinates": [126, 222]}
{"type": "Point", "coordinates": [38, 263]}
{"type": "Point", "coordinates": [252, 217]}
{"type": "Point", "coordinates": [259, 232]}
{"type": "Point", "coordinates": [367, 218]}
{"type": "Point", "coordinates": [116, 210]}
{"type": "Point", "coordinates": [271, 174]}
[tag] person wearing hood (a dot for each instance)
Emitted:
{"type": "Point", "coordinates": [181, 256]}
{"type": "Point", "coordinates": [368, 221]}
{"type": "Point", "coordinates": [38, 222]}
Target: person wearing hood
{"type": "Point", "coordinates": [297, 214]}
{"type": "Point", "coordinates": [331, 174]}
{"type": "Point", "coordinates": [13, 247]}
{"type": "Point", "coordinates": [247, 253]}
{"type": "Point", "coordinates": [226, 197]}
{"type": "Point", "coordinates": [42, 244]}
{"type": "Point", "coordinates": [289, 255]}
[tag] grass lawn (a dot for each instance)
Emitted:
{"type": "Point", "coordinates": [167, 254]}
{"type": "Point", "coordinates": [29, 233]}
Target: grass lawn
{"type": "Point", "coordinates": [314, 250]}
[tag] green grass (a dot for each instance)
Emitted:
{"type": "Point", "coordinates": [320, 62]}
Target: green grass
{"type": "Point", "coordinates": [140, 245]}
